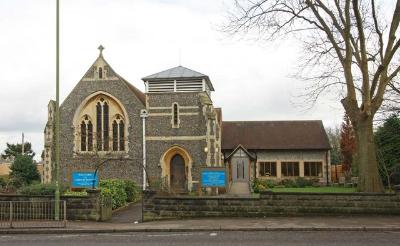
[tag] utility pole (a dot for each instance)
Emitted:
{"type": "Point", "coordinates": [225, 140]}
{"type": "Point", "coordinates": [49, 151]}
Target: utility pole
{"type": "Point", "coordinates": [23, 145]}
{"type": "Point", "coordinates": [57, 164]}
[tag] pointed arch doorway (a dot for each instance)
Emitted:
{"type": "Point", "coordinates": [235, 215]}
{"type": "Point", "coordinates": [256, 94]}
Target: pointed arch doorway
{"type": "Point", "coordinates": [178, 174]}
{"type": "Point", "coordinates": [176, 169]}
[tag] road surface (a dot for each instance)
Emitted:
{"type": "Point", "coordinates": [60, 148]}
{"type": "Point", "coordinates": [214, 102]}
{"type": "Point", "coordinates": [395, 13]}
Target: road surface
{"type": "Point", "coordinates": [209, 238]}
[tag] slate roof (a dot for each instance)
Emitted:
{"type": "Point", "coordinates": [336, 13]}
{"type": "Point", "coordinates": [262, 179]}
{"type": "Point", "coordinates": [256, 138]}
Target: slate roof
{"type": "Point", "coordinates": [178, 72]}
{"type": "Point", "coordinates": [274, 135]}
{"type": "Point", "coordinates": [139, 94]}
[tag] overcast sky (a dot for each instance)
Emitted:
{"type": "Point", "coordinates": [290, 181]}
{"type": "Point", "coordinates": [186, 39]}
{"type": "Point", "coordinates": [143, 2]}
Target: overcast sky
{"type": "Point", "coordinates": [142, 37]}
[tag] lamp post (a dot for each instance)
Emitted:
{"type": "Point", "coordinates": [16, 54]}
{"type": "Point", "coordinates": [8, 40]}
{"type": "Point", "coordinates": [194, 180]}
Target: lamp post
{"type": "Point", "coordinates": [57, 161]}
{"type": "Point", "coordinates": [144, 115]}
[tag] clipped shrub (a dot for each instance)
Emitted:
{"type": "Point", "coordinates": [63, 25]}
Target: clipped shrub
{"type": "Point", "coordinates": [132, 191]}
{"type": "Point", "coordinates": [39, 190]}
{"type": "Point", "coordinates": [75, 193]}
{"type": "Point", "coordinates": [116, 189]}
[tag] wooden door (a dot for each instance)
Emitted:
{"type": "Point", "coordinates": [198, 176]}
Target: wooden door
{"type": "Point", "coordinates": [240, 169]}
{"type": "Point", "coordinates": [178, 175]}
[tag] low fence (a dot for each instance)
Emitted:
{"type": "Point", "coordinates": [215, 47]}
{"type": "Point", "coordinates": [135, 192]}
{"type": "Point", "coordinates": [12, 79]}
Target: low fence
{"type": "Point", "coordinates": [40, 209]}
{"type": "Point", "coordinates": [270, 204]}
{"type": "Point", "coordinates": [28, 214]}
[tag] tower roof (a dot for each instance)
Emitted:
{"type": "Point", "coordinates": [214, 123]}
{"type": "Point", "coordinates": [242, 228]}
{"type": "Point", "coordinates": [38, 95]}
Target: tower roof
{"type": "Point", "coordinates": [178, 73]}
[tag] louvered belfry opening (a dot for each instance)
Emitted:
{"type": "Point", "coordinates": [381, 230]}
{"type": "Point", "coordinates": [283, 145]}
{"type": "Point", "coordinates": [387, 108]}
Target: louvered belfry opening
{"type": "Point", "coordinates": [187, 85]}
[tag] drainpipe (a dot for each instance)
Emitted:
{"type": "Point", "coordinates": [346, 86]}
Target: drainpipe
{"type": "Point", "coordinates": [327, 159]}
{"type": "Point", "coordinates": [144, 115]}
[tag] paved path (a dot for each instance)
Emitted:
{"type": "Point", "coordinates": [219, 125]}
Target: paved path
{"type": "Point", "coordinates": [240, 189]}
{"type": "Point", "coordinates": [209, 238]}
{"type": "Point", "coordinates": [345, 223]}
{"type": "Point", "coordinates": [130, 214]}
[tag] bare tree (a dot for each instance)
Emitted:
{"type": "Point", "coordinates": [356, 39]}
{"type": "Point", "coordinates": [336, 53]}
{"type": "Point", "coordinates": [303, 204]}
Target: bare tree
{"type": "Point", "coordinates": [348, 44]}
{"type": "Point", "coordinates": [391, 104]}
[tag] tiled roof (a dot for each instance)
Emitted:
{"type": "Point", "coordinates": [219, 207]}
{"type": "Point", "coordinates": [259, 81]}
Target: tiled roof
{"type": "Point", "coordinates": [176, 72]}
{"type": "Point", "coordinates": [274, 135]}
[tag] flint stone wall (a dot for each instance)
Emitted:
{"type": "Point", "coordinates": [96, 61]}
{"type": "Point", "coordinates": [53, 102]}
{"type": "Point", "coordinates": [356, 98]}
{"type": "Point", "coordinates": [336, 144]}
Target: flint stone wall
{"type": "Point", "coordinates": [270, 204]}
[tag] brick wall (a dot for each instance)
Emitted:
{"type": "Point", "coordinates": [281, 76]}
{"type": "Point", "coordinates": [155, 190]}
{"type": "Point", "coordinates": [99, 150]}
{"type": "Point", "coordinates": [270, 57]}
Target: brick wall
{"type": "Point", "coordinates": [270, 204]}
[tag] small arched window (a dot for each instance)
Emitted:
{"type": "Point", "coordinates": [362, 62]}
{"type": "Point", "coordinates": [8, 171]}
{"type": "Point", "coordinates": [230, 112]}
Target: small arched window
{"type": "Point", "coordinates": [175, 115]}
{"type": "Point", "coordinates": [100, 73]}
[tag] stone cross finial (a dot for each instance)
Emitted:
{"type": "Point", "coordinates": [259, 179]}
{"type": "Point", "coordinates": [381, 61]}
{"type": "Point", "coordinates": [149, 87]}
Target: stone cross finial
{"type": "Point", "coordinates": [101, 48]}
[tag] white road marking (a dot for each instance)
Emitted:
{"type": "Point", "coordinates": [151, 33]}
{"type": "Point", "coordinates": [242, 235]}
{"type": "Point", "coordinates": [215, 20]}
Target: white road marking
{"type": "Point", "coordinates": [173, 235]}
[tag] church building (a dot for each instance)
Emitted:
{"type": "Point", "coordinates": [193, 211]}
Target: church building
{"type": "Point", "coordinates": [174, 131]}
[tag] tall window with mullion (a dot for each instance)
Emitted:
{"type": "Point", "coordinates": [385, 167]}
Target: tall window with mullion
{"type": "Point", "coordinates": [313, 169]}
{"type": "Point", "coordinates": [290, 169]}
{"type": "Point", "coordinates": [105, 127]}
{"type": "Point", "coordinates": [99, 113]}
{"type": "Point", "coordinates": [267, 169]}
{"type": "Point", "coordinates": [118, 133]}
{"type": "Point", "coordinates": [83, 136]}
{"type": "Point", "coordinates": [86, 134]}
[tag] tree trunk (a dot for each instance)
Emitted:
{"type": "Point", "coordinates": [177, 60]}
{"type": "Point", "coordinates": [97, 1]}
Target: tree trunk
{"type": "Point", "coordinates": [369, 180]}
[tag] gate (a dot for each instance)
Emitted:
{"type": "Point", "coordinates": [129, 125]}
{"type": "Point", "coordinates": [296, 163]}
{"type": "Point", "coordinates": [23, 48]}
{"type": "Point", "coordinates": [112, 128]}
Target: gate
{"type": "Point", "coordinates": [31, 214]}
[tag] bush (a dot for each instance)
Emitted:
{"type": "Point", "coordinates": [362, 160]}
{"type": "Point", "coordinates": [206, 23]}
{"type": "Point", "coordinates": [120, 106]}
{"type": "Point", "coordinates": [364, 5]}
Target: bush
{"type": "Point", "coordinates": [116, 189]}
{"type": "Point", "coordinates": [270, 183]}
{"type": "Point", "coordinates": [288, 183]}
{"type": "Point", "coordinates": [24, 171]}
{"type": "Point", "coordinates": [3, 182]}
{"type": "Point", "coordinates": [132, 191]}
{"type": "Point", "coordinates": [303, 182]}
{"type": "Point", "coordinates": [262, 185]}
{"type": "Point", "coordinates": [39, 190]}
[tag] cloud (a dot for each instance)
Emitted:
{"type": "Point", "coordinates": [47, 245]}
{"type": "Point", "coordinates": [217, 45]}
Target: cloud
{"type": "Point", "coordinates": [141, 37]}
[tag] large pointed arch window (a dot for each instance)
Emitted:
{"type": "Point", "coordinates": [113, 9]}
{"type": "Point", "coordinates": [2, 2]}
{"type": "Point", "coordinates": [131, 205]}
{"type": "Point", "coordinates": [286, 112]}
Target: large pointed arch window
{"type": "Point", "coordinates": [101, 126]}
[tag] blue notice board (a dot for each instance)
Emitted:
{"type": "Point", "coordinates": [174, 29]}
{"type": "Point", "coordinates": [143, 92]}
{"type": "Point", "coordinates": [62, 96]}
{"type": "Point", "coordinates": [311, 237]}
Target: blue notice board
{"type": "Point", "coordinates": [84, 180]}
{"type": "Point", "coordinates": [213, 177]}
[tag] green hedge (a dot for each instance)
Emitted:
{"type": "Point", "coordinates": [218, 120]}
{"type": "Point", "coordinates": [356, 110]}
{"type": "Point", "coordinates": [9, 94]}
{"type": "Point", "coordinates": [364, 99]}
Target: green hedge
{"type": "Point", "coordinates": [121, 191]}
{"type": "Point", "coordinates": [39, 190]}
